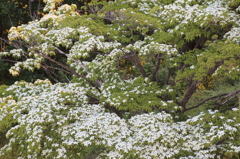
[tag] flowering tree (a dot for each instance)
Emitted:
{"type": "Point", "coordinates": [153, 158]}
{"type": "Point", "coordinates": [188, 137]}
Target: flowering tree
{"type": "Point", "coordinates": [138, 69]}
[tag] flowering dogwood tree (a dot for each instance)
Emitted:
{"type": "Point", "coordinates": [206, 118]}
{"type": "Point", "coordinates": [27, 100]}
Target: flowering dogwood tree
{"type": "Point", "coordinates": [138, 68]}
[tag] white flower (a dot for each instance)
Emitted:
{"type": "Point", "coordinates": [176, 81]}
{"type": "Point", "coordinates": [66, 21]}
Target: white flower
{"type": "Point", "coordinates": [235, 109]}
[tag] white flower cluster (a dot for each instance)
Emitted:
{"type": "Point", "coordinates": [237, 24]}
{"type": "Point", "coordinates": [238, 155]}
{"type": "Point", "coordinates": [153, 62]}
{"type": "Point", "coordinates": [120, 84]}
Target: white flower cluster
{"type": "Point", "coordinates": [88, 42]}
{"type": "Point", "coordinates": [181, 13]}
{"type": "Point", "coordinates": [67, 9]}
{"type": "Point", "coordinates": [29, 64]}
{"type": "Point", "coordinates": [50, 20]}
{"type": "Point", "coordinates": [150, 48]}
{"type": "Point", "coordinates": [144, 5]}
{"type": "Point", "coordinates": [62, 37]}
{"type": "Point", "coordinates": [17, 53]}
{"type": "Point", "coordinates": [233, 35]}
{"type": "Point", "coordinates": [53, 119]}
{"type": "Point", "coordinates": [214, 13]}
{"type": "Point", "coordinates": [34, 31]}
{"type": "Point", "coordinates": [50, 4]}
{"type": "Point", "coordinates": [157, 48]}
{"type": "Point", "coordinates": [13, 33]}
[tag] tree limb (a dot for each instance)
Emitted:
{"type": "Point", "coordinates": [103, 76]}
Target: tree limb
{"type": "Point", "coordinates": [80, 63]}
{"type": "Point", "coordinates": [159, 57]}
{"type": "Point", "coordinates": [204, 102]}
{"type": "Point", "coordinates": [193, 86]}
{"type": "Point", "coordinates": [68, 69]}
{"type": "Point", "coordinates": [228, 97]}
{"type": "Point", "coordinates": [9, 60]}
{"type": "Point", "coordinates": [137, 63]}
{"type": "Point", "coordinates": [168, 76]}
{"type": "Point", "coordinates": [50, 73]}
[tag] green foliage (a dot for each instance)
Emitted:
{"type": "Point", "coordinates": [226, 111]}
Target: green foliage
{"type": "Point", "coordinates": [7, 121]}
{"type": "Point", "coordinates": [4, 92]}
{"type": "Point", "coordinates": [94, 23]}
{"type": "Point", "coordinates": [136, 95]}
{"type": "Point", "coordinates": [92, 151]}
{"type": "Point", "coordinates": [234, 4]}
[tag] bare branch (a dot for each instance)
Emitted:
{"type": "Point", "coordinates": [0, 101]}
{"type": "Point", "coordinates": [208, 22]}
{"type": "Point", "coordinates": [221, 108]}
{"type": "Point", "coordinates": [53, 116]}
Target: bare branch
{"type": "Point", "coordinates": [199, 41]}
{"type": "Point", "coordinates": [223, 96]}
{"type": "Point", "coordinates": [203, 102]}
{"type": "Point", "coordinates": [9, 60]}
{"type": "Point", "coordinates": [56, 68]}
{"type": "Point", "coordinates": [228, 97]}
{"type": "Point", "coordinates": [135, 60]}
{"type": "Point", "coordinates": [50, 73]}
{"type": "Point", "coordinates": [61, 52]}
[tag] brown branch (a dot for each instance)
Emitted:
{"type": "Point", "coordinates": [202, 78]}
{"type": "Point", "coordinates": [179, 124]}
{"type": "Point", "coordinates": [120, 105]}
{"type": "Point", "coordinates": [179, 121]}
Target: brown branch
{"type": "Point", "coordinates": [56, 68]}
{"type": "Point", "coordinates": [61, 52]}
{"type": "Point", "coordinates": [193, 86]}
{"type": "Point", "coordinates": [199, 41]}
{"type": "Point", "coordinates": [229, 95]}
{"type": "Point", "coordinates": [168, 76]}
{"type": "Point", "coordinates": [203, 102]}
{"type": "Point", "coordinates": [224, 96]}
{"type": "Point", "coordinates": [68, 69]}
{"type": "Point", "coordinates": [191, 89]}
{"type": "Point", "coordinates": [183, 67]}
{"type": "Point", "coordinates": [154, 73]}
{"type": "Point", "coordinates": [80, 63]}
{"type": "Point", "coordinates": [92, 100]}
{"type": "Point", "coordinates": [9, 60]}
{"type": "Point", "coordinates": [50, 73]}
{"type": "Point", "coordinates": [138, 65]}
{"type": "Point", "coordinates": [221, 141]}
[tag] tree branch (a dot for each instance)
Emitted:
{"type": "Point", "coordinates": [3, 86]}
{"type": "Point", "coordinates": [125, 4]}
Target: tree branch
{"type": "Point", "coordinates": [168, 76]}
{"type": "Point", "coordinates": [204, 102]}
{"type": "Point", "coordinates": [80, 63]}
{"type": "Point", "coordinates": [135, 60]}
{"type": "Point", "coordinates": [50, 73]}
{"type": "Point", "coordinates": [9, 60]}
{"type": "Point", "coordinates": [191, 89]}
{"type": "Point", "coordinates": [228, 97]}
{"type": "Point", "coordinates": [193, 86]}
{"type": "Point", "coordinates": [154, 73]}
{"type": "Point", "coordinates": [137, 63]}
{"type": "Point", "coordinates": [199, 41]}
{"type": "Point", "coordinates": [68, 69]}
